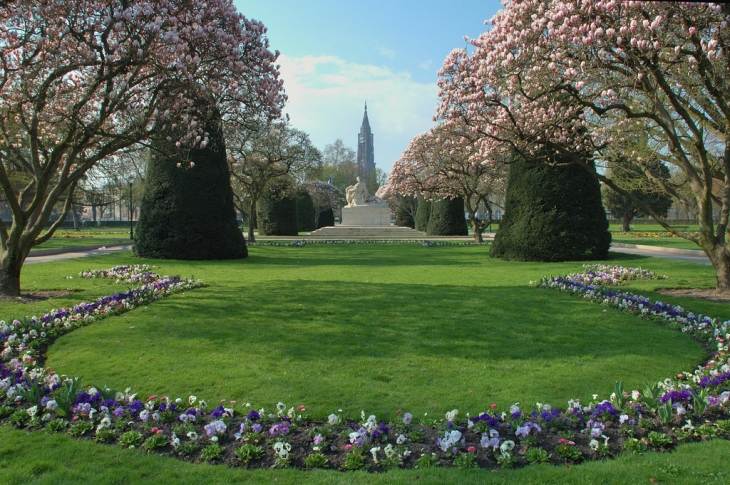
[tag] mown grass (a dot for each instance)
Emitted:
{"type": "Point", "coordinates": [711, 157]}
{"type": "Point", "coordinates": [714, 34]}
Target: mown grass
{"type": "Point", "coordinates": [665, 242]}
{"type": "Point", "coordinates": [40, 459]}
{"type": "Point", "coordinates": [88, 236]}
{"type": "Point", "coordinates": [373, 327]}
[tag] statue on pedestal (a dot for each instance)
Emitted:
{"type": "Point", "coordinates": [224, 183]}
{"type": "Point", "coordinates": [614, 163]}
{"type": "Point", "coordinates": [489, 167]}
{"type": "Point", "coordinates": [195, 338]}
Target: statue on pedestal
{"type": "Point", "coordinates": [358, 195]}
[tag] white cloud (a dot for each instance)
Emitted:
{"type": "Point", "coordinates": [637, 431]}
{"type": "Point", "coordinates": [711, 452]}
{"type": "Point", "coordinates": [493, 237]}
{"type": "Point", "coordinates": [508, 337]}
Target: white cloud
{"type": "Point", "coordinates": [389, 53]}
{"type": "Point", "coordinates": [426, 64]}
{"type": "Point", "coordinates": [326, 97]}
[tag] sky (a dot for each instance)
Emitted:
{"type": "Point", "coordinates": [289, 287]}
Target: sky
{"type": "Point", "coordinates": [338, 54]}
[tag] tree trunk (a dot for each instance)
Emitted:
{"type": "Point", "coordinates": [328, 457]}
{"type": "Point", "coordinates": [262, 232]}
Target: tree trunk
{"type": "Point", "coordinates": [75, 219]}
{"type": "Point", "coordinates": [626, 220]}
{"type": "Point", "coordinates": [10, 265]}
{"type": "Point", "coordinates": [720, 258]}
{"type": "Point", "coordinates": [251, 222]}
{"type": "Point", "coordinates": [477, 227]}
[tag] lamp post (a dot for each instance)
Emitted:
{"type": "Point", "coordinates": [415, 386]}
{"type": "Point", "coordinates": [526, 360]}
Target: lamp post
{"type": "Point", "coordinates": [130, 180]}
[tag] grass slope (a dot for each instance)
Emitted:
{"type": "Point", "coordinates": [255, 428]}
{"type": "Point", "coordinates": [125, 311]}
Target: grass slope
{"type": "Point", "coordinates": [375, 327]}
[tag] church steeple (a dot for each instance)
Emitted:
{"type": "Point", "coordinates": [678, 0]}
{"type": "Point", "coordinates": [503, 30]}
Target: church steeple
{"type": "Point", "coordinates": [365, 152]}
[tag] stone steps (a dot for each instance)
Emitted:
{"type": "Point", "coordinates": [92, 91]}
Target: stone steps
{"type": "Point", "coordinates": [367, 231]}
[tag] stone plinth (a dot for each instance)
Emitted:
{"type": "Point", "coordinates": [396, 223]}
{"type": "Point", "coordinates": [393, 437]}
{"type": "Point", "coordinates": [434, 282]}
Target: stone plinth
{"type": "Point", "coordinates": [366, 215]}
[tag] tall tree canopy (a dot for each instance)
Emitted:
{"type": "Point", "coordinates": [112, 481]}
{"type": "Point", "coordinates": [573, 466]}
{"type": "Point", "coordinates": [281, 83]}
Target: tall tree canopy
{"type": "Point", "coordinates": [570, 77]}
{"type": "Point", "coordinates": [82, 79]}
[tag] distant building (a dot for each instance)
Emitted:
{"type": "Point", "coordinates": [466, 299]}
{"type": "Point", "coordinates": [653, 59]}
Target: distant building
{"type": "Point", "coordinates": [365, 151]}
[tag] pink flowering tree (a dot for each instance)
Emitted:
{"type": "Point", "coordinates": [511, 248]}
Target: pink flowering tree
{"type": "Point", "coordinates": [446, 162]}
{"type": "Point", "coordinates": [81, 80]}
{"type": "Point", "coordinates": [586, 79]}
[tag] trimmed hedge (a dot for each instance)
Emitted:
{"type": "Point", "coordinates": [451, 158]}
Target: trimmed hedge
{"type": "Point", "coordinates": [326, 218]}
{"type": "Point", "coordinates": [305, 211]}
{"type": "Point", "coordinates": [551, 214]}
{"type": "Point", "coordinates": [423, 214]}
{"type": "Point", "coordinates": [277, 210]}
{"type": "Point", "coordinates": [187, 212]}
{"type": "Point", "coordinates": [447, 218]}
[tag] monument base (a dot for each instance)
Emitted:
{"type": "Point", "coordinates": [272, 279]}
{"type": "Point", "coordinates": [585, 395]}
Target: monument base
{"type": "Point", "coordinates": [366, 215]}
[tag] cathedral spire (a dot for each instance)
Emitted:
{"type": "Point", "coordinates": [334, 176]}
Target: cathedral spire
{"type": "Point", "coordinates": [365, 152]}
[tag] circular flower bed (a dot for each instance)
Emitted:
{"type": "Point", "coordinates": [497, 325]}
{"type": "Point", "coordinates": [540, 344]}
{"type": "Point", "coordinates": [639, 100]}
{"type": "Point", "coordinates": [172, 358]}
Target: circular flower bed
{"type": "Point", "coordinates": [687, 407]}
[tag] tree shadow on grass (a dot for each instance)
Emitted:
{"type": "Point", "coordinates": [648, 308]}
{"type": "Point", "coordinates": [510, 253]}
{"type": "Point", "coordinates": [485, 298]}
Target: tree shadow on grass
{"type": "Point", "coordinates": [336, 320]}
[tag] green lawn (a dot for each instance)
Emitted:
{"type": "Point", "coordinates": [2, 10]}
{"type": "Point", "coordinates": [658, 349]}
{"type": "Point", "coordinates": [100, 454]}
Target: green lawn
{"type": "Point", "coordinates": [665, 242]}
{"type": "Point", "coordinates": [361, 327]}
{"type": "Point", "coordinates": [93, 236]}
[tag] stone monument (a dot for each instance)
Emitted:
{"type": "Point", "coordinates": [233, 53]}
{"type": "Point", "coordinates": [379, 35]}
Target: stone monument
{"type": "Point", "coordinates": [362, 209]}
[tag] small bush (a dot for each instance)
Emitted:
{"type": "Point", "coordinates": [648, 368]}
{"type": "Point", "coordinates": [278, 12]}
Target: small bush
{"type": "Point", "coordinates": [447, 218]}
{"type": "Point", "coordinates": [131, 439]}
{"type": "Point", "coordinates": [423, 213]}
{"type": "Point", "coordinates": [305, 211]}
{"type": "Point", "coordinates": [316, 460]}
{"type": "Point", "coordinates": [105, 436]}
{"type": "Point", "coordinates": [277, 210]}
{"type": "Point", "coordinates": [212, 452]}
{"type": "Point", "coordinates": [249, 452]}
{"type": "Point", "coordinates": [326, 218]}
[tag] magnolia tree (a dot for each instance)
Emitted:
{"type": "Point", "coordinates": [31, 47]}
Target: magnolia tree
{"type": "Point", "coordinates": [398, 203]}
{"type": "Point", "coordinates": [582, 78]}
{"type": "Point", "coordinates": [256, 157]}
{"type": "Point", "coordinates": [83, 79]}
{"type": "Point", "coordinates": [446, 162]}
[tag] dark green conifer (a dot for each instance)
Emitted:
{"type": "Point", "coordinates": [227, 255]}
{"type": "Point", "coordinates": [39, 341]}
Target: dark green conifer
{"type": "Point", "coordinates": [187, 210]}
{"type": "Point", "coordinates": [305, 211]}
{"type": "Point", "coordinates": [277, 209]}
{"type": "Point", "coordinates": [423, 213]}
{"type": "Point", "coordinates": [447, 218]}
{"type": "Point", "coordinates": [552, 213]}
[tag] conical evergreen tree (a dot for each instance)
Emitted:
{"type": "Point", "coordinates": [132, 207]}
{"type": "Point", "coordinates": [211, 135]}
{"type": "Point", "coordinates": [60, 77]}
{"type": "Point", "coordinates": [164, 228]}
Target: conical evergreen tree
{"type": "Point", "coordinates": [326, 218]}
{"type": "Point", "coordinates": [305, 211]}
{"type": "Point", "coordinates": [423, 213]}
{"type": "Point", "coordinates": [276, 212]}
{"type": "Point", "coordinates": [551, 214]}
{"type": "Point", "coordinates": [187, 210]}
{"type": "Point", "coordinates": [447, 218]}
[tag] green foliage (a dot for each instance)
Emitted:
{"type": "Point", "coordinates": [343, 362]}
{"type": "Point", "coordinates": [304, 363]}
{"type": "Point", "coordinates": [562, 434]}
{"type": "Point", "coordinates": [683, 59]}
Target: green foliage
{"type": "Point", "coordinates": [155, 442]}
{"type": "Point", "coordinates": [631, 177]}
{"type": "Point", "coordinates": [187, 212]}
{"type": "Point", "coordinates": [277, 209]}
{"type": "Point", "coordinates": [33, 393]}
{"type": "Point", "coordinates": [723, 425]}
{"type": "Point", "coordinates": [634, 446]}
{"type": "Point", "coordinates": [212, 452]}
{"type": "Point", "coordinates": [659, 440]}
{"type": "Point", "coordinates": [423, 214]}
{"type": "Point", "coordinates": [305, 211]}
{"type": "Point", "coordinates": [354, 460]}
{"type": "Point", "coordinates": [131, 439]}
{"type": "Point", "coordinates": [6, 411]}
{"type": "Point", "coordinates": [405, 215]}
{"type": "Point", "coordinates": [569, 452]}
{"type": "Point", "coordinates": [80, 428]}
{"type": "Point", "coordinates": [466, 460]}
{"type": "Point", "coordinates": [551, 214]}
{"type": "Point", "coordinates": [316, 460]}
{"type": "Point", "coordinates": [65, 396]}
{"type": "Point", "coordinates": [187, 448]}
{"type": "Point", "coordinates": [249, 452]}
{"type": "Point", "coordinates": [105, 435]}
{"type": "Point", "coordinates": [706, 429]}
{"type": "Point", "coordinates": [506, 460]}
{"type": "Point", "coordinates": [426, 461]}
{"type": "Point", "coordinates": [57, 425]}
{"type": "Point", "coordinates": [536, 455]}
{"type": "Point", "coordinates": [326, 218]}
{"type": "Point", "coordinates": [447, 218]}
{"type": "Point", "coordinates": [20, 418]}
{"type": "Point", "coordinates": [182, 429]}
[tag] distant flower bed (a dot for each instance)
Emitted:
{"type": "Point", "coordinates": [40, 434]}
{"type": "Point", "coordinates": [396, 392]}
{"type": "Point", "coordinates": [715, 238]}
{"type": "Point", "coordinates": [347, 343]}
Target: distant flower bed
{"type": "Point", "coordinates": [650, 234]}
{"type": "Point", "coordinates": [423, 242]}
{"type": "Point", "coordinates": [685, 408]}
{"type": "Point", "coordinates": [84, 234]}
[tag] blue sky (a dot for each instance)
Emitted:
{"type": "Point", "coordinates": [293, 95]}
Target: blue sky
{"type": "Point", "coordinates": [335, 55]}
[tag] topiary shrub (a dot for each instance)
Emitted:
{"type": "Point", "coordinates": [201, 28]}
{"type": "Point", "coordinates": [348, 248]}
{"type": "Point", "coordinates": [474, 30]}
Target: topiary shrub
{"type": "Point", "coordinates": [187, 211]}
{"type": "Point", "coordinates": [326, 218]}
{"type": "Point", "coordinates": [551, 214]}
{"type": "Point", "coordinates": [305, 211]}
{"type": "Point", "coordinates": [277, 210]}
{"type": "Point", "coordinates": [447, 218]}
{"type": "Point", "coordinates": [423, 213]}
